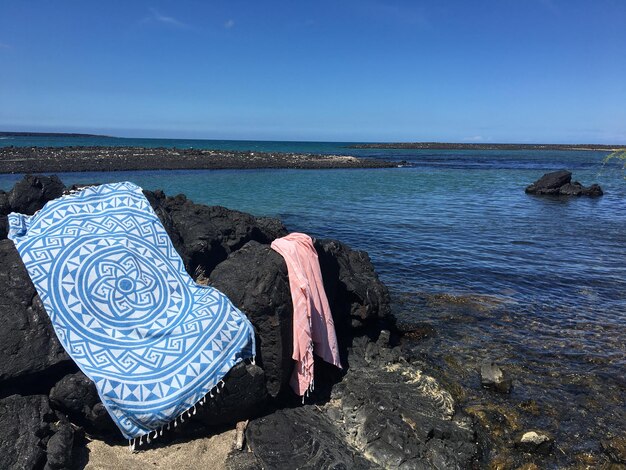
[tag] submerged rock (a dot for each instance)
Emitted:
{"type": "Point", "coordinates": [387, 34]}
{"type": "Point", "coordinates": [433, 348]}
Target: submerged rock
{"type": "Point", "coordinates": [535, 442]}
{"type": "Point", "coordinates": [615, 449]}
{"type": "Point", "coordinates": [558, 183]}
{"type": "Point", "coordinates": [492, 377]}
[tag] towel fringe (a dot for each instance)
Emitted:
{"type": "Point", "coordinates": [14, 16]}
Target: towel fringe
{"type": "Point", "coordinates": [135, 443]}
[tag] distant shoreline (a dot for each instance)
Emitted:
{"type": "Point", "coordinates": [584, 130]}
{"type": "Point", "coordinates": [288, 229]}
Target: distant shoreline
{"type": "Point", "coordinates": [48, 134]}
{"type": "Point", "coordinates": [477, 146]}
{"type": "Point", "coordinates": [81, 159]}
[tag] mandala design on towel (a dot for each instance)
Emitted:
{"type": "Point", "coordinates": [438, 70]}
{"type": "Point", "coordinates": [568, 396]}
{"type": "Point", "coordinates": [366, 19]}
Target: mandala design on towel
{"type": "Point", "coordinates": [124, 308]}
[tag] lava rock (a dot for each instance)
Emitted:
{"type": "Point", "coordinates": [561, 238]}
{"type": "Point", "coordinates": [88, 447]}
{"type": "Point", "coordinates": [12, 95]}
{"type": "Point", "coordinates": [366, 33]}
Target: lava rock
{"type": "Point", "coordinates": [33, 192]}
{"type": "Point", "coordinates": [59, 448]}
{"type": "Point", "coordinates": [550, 183]}
{"type": "Point", "coordinates": [558, 183]}
{"type": "Point", "coordinates": [255, 279]}
{"type": "Point", "coordinates": [357, 297]}
{"type": "Point", "coordinates": [615, 449]}
{"type": "Point", "coordinates": [384, 338]}
{"type": "Point", "coordinates": [376, 418]}
{"type": "Point", "coordinates": [301, 438]}
{"type": "Point", "coordinates": [535, 442]}
{"type": "Point", "coordinates": [208, 234]}
{"type": "Point", "coordinates": [28, 196]}
{"type": "Point", "coordinates": [76, 396]}
{"type": "Point", "coordinates": [24, 429]}
{"type": "Point", "coordinates": [29, 348]}
{"type": "Point", "coordinates": [401, 418]}
{"type": "Point", "coordinates": [232, 250]}
{"type": "Point", "coordinates": [492, 377]}
{"type": "Point", "coordinates": [244, 396]}
{"type": "Point", "coordinates": [593, 191]}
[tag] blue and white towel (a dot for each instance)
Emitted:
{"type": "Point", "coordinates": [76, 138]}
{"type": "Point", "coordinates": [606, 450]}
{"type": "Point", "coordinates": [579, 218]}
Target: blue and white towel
{"type": "Point", "coordinates": [124, 308]}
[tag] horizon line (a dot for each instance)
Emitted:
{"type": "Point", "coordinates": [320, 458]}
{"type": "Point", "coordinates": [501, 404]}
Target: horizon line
{"type": "Point", "coordinates": [380, 142]}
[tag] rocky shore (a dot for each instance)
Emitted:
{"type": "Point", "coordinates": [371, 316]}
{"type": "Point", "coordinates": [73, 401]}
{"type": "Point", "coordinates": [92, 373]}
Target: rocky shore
{"type": "Point", "coordinates": [71, 159]}
{"type": "Point", "coordinates": [485, 146]}
{"type": "Point", "coordinates": [382, 411]}
{"type": "Point", "coordinates": [408, 396]}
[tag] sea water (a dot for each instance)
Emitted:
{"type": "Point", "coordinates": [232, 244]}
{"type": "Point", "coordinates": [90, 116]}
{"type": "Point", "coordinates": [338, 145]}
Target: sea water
{"type": "Point", "coordinates": [541, 281]}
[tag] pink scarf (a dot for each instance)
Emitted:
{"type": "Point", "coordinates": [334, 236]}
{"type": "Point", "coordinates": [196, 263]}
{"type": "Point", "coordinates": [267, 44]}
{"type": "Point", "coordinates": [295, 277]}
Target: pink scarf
{"type": "Point", "coordinates": [313, 327]}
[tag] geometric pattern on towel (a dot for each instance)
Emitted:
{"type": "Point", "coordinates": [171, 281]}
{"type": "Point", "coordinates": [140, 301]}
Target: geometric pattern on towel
{"type": "Point", "coordinates": [122, 305]}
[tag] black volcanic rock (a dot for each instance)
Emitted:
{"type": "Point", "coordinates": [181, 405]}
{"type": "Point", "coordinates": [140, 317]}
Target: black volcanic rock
{"type": "Point", "coordinates": [28, 196]}
{"type": "Point", "coordinates": [377, 417]}
{"type": "Point", "coordinates": [24, 429]}
{"type": "Point", "coordinates": [558, 183]}
{"type": "Point", "coordinates": [243, 396]}
{"type": "Point", "coordinates": [206, 235]}
{"type": "Point", "coordinates": [550, 183]}
{"type": "Point", "coordinates": [59, 448]}
{"type": "Point", "coordinates": [356, 295]}
{"type": "Point", "coordinates": [255, 279]}
{"type": "Point", "coordinates": [377, 412]}
{"type": "Point", "coordinates": [31, 193]}
{"type": "Point", "coordinates": [76, 396]}
{"type": "Point", "coordinates": [98, 158]}
{"type": "Point", "coordinates": [301, 438]}
{"type": "Point", "coordinates": [29, 348]}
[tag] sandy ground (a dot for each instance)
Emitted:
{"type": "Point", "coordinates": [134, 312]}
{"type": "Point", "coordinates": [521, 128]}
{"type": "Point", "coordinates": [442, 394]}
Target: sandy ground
{"type": "Point", "coordinates": [208, 452]}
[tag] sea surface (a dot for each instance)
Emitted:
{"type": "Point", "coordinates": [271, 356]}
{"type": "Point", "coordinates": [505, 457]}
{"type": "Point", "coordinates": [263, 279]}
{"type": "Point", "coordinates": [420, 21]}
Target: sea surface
{"type": "Point", "coordinates": [537, 284]}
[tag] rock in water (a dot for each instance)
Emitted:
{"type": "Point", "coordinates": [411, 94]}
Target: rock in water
{"type": "Point", "coordinates": [558, 183]}
{"type": "Point", "coordinates": [535, 442]}
{"type": "Point", "coordinates": [615, 449]}
{"type": "Point", "coordinates": [550, 183]}
{"type": "Point", "coordinates": [492, 377]}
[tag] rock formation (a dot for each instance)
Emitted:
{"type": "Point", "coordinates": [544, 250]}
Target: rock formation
{"type": "Point", "coordinates": [559, 183]}
{"type": "Point", "coordinates": [379, 411]}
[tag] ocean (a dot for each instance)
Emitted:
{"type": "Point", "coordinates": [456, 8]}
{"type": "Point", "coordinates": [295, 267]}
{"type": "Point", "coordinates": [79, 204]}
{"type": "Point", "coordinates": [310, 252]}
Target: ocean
{"type": "Point", "coordinates": [537, 284]}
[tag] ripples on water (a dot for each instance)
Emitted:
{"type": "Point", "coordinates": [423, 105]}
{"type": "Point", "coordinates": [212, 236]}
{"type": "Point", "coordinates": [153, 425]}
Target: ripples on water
{"type": "Point", "coordinates": [460, 222]}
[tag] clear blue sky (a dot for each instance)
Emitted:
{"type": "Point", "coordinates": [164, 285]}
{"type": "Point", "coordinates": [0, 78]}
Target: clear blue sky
{"type": "Point", "coordinates": [364, 70]}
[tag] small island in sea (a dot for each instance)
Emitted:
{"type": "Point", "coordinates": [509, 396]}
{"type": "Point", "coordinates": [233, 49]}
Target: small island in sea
{"type": "Point", "coordinates": [71, 159]}
{"type": "Point", "coordinates": [484, 146]}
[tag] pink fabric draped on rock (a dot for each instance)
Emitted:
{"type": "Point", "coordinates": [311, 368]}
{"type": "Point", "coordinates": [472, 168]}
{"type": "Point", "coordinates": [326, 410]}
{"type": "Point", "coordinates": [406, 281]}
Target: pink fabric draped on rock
{"type": "Point", "coordinates": [313, 327]}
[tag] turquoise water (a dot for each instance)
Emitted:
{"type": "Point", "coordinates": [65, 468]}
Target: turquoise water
{"type": "Point", "coordinates": [551, 271]}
